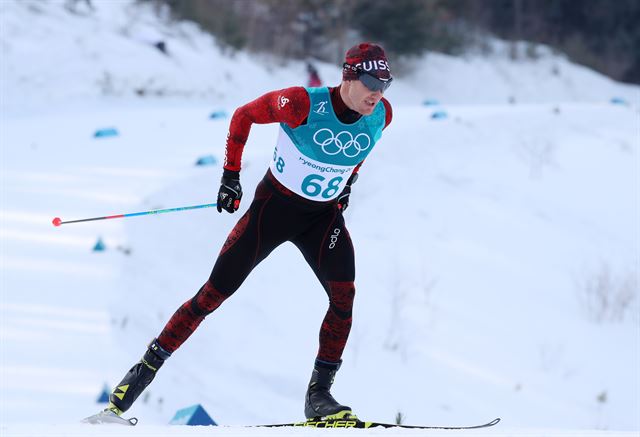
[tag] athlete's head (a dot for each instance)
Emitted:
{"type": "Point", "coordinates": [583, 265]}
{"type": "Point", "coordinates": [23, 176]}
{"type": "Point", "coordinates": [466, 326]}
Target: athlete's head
{"type": "Point", "coordinates": [365, 77]}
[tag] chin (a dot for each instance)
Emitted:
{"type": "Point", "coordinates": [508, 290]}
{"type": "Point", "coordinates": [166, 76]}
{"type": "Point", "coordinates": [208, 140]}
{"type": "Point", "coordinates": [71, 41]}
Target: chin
{"type": "Point", "coordinates": [366, 109]}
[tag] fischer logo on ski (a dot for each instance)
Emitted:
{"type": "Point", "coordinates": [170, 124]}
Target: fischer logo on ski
{"type": "Point", "coordinates": [356, 423]}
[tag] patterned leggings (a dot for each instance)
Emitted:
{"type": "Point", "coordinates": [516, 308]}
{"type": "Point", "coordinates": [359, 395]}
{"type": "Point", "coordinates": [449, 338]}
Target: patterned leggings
{"type": "Point", "coordinates": [276, 215]}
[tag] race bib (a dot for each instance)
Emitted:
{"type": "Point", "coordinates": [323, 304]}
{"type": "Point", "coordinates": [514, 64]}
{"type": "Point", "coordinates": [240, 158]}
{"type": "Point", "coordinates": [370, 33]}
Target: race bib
{"type": "Point", "coordinates": [308, 177]}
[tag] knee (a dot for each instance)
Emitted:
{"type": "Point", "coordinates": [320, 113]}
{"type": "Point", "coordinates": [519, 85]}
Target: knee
{"type": "Point", "coordinates": [341, 296]}
{"type": "Point", "coordinates": [207, 300]}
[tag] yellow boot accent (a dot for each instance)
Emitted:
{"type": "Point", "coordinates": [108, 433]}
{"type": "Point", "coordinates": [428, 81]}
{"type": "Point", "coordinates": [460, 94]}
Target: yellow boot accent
{"type": "Point", "coordinates": [123, 389]}
{"type": "Point", "coordinates": [112, 407]}
{"type": "Point", "coordinates": [146, 363]}
{"type": "Point", "coordinates": [341, 415]}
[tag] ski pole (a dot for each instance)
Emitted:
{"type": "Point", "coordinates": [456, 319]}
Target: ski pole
{"type": "Point", "coordinates": [57, 221]}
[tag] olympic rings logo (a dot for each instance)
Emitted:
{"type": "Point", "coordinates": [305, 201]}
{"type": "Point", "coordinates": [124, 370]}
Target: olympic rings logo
{"type": "Point", "coordinates": [342, 142]}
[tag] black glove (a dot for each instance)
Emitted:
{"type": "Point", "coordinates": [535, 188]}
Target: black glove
{"type": "Point", "coordinates": [343, 198]}
{"type": "Point", "coordinates": [230, 191]}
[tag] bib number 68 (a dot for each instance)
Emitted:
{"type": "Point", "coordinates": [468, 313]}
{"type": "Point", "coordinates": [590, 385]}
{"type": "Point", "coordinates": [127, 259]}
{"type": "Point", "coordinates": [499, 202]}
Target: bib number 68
{"type": "Point", "coordinates": [313, 186]}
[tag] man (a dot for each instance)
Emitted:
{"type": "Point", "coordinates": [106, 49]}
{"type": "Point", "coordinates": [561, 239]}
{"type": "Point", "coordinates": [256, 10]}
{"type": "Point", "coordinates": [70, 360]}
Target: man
{"type": "Point", "coordinates": [325, 135]}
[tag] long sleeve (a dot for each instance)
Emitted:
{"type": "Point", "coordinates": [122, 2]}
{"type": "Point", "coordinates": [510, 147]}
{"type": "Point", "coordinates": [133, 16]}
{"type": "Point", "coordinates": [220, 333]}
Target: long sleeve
{"type": "Point", "coordinates": [289, 105]}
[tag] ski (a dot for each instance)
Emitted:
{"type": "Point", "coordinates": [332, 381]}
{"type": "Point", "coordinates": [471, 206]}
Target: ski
{"type": "Point", "coordinates": [356, 423]}
{"type": "Point", "coordinates": [109, 417]}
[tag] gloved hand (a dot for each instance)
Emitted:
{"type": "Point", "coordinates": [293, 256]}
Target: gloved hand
{"type": "Point", "coordinates": [343, 198]}
{"type": "Point", "coordinates": [230, 191]}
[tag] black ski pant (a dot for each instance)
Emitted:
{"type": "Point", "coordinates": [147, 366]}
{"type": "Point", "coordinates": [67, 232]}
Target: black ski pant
{"type": "Point", "coordinates": [275, 216]}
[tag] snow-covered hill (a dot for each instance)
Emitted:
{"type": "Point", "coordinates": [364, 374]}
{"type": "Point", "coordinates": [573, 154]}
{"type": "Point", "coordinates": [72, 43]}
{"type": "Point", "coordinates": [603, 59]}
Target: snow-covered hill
{"type": "Point", "coordinates": [60, 59]}
{"type": "Point", "coordinates": [484, 240]}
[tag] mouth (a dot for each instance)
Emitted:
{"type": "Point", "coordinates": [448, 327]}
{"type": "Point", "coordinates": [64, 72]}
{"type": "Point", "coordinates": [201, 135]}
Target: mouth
{"type": "Point", "coordinates": [370, 103]}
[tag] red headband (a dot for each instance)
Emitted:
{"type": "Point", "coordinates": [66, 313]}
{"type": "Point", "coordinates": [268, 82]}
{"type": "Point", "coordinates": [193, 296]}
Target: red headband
{"type": "Point", "coordinates": [368, 56]}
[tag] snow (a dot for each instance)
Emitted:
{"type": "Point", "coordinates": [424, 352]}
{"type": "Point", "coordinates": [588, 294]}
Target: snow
{"type": "Point", "coordinates": [199, 431]}
{"type": "Point", "coordinates": [474, 256]}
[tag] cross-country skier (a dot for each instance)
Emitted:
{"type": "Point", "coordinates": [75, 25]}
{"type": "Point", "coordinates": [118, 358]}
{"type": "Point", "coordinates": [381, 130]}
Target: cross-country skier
{"type": "Point", "coordinates": [325, 135]}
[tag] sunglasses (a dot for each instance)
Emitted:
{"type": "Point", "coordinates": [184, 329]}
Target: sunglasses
{"type": "Point", "coordinates": [369, 80]}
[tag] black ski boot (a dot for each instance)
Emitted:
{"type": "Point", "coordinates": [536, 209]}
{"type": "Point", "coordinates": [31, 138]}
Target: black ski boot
{"type": "Point", "coordinates": [318, 402]}
{"type": "Point", "coordinates": [137, 379]}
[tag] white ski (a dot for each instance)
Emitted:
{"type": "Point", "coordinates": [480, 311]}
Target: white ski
{"type": "Point", "coordinates": [108, 416]}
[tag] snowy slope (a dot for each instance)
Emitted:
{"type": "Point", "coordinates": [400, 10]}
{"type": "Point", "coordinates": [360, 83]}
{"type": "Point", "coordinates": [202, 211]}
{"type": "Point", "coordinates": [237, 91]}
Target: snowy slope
{"type": "Point", "coordinates": [471, 284]}
{"type": "Point", "coordinates": [109, 54]}
{"type": "Point", "coordinates": [199, 431]}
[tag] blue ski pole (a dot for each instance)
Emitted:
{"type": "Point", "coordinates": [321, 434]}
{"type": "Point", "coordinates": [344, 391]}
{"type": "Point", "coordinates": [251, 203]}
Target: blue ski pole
{"type": "Point", "coordinates": [57, 221]}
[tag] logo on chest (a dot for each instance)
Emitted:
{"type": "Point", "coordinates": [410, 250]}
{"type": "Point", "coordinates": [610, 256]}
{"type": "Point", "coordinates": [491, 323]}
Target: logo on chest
{"type": "Point", "coordinates": [321, 108]}
{"type": "Point", "coordinates": [343, 142]}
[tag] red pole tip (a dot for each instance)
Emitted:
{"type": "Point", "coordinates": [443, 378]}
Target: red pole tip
{"type": "Point", "coordinates": [56, 221]}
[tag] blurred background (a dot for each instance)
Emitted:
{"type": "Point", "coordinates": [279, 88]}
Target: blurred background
{"type": "Point", "coordinates": [596, 33]}
{"type": "Point", "coordinates": [495, 225]}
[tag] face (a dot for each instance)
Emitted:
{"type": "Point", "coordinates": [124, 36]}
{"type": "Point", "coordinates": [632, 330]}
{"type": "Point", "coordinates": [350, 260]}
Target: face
{"type": "Point", "coordinates": [360, 98]}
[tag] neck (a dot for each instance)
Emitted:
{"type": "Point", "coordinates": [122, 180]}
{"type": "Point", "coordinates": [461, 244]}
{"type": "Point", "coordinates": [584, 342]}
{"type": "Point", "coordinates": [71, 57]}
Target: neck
{"type": "Point", "coordinates": [344, 113]}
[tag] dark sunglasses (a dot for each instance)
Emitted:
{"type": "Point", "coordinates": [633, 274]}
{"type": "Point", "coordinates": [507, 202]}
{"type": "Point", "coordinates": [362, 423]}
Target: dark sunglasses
{"type": "Point", "coordinates": [369, 80]}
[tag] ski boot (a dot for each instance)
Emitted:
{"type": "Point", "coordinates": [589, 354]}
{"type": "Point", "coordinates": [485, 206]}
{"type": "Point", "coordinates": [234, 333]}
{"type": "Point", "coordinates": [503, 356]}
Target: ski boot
{"type": "Point", "coordinates": [319, 404]}
{"type": "Point", "coordinates": [137, 379]}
